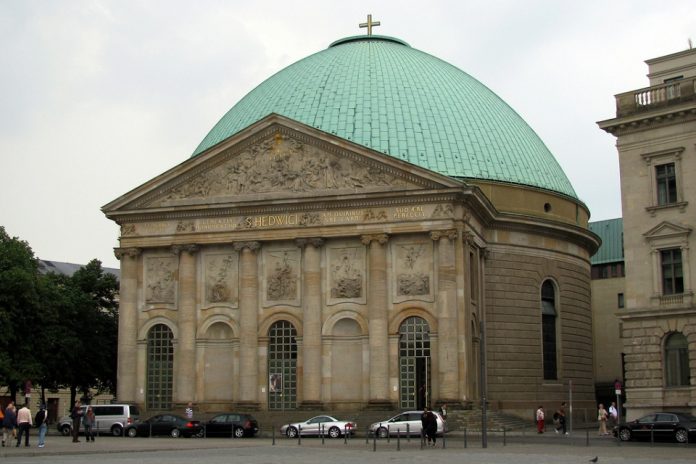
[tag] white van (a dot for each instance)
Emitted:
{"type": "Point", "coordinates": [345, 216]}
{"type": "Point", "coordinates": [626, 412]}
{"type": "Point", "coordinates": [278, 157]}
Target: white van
{"type": "Point", "coordinates": [109, 418]}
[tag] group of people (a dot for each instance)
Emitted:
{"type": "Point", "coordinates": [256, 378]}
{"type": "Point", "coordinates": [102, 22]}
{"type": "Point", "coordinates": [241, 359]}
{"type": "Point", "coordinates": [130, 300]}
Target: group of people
{"type": "Point", "coordinates": [86, 417]}
{"type": "Point", "coordinates": [604, 416]}
{"type": "Point", "coordinates": [16, 424]}
{"type": "Point", "coordinates": [559, 419]}
{"type": "Point", "coordinates": [429, 424]}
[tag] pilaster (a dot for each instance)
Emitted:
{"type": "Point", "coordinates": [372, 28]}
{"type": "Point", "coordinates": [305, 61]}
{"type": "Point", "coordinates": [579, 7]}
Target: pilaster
{"type": "Point", "coordinates": [185, 361]}
{"type": "Point", "coordinates": [127, 324]}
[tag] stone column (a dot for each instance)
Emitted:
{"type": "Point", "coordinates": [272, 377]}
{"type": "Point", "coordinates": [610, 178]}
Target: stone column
{"type": "Point", "coordinates": [248, 324]}
{"type": "Point", "coordinates": [186, 344]}
{"type": "Point", "coordinates": [311, 322]}
{"type": "Point", "coordinates": [448, 348]}
{"type": "Point", "coordinates": [378, 323]}
{"type": "Point", "coordinates": [127, 324]}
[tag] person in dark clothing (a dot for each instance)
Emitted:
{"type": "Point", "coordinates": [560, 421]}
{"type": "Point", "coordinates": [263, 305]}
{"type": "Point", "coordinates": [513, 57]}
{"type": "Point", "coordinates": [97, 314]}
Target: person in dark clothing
{"type": "Point", "coordinates": [429, 425]}
{"type": "Point", "coordinates": [76, 418]}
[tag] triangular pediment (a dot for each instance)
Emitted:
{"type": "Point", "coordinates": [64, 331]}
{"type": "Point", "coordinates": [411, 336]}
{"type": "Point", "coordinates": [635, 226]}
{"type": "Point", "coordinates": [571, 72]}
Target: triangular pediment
{"type": "Point", "coordinates": [666, 229]}
{"type": "Point", "coordinates": [278, 158]}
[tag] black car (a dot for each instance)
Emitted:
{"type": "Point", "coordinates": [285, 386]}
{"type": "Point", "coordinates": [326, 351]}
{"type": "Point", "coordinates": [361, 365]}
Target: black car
{"type": "Point", "coordinates": [231, 424]}
{"type": "Point", "coordinates": [165, 424]}
{"type": "Point", "coordinates": [660, 426]}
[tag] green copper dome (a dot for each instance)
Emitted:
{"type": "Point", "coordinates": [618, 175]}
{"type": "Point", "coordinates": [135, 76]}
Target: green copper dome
{"type": "Point", "coordinates": [379, 92]}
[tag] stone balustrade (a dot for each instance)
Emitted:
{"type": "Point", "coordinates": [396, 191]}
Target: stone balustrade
{"type": "Point", "coordinates": [655, 96]}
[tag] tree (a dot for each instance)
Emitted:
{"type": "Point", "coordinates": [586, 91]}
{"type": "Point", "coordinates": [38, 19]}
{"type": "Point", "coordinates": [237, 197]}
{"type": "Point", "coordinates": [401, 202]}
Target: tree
{"type": "Point", "coordinates": [20, 312]}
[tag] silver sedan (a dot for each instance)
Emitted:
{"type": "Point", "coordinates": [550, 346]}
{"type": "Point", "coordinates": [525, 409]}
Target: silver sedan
{"type": "Point", "coordinates": [319, 425]}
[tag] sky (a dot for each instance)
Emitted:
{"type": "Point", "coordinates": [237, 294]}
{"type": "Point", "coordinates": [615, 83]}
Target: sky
{"type": "Point", "coordinates": [98, 97]}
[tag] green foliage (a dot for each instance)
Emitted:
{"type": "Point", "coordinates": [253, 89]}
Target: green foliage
{"type": "Point", "coordinates": [59, 331]}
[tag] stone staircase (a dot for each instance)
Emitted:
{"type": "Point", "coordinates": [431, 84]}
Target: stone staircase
{"type": "Point", "coordinates": [470, 419]}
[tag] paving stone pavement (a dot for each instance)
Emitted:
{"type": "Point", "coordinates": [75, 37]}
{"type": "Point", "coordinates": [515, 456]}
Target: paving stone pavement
{"type": "Point", "coordinates": [517, 450]}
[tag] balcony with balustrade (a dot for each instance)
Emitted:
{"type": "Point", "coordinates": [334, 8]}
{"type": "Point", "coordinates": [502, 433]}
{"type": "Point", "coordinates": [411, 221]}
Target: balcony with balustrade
{"type": "Point", "coordinates": [656, 97]}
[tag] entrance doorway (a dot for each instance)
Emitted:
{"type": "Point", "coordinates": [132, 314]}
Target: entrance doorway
{"type": "Point", "coordinates": [282, 366]}
{"type": "Point", "coordinates": [414, 363]}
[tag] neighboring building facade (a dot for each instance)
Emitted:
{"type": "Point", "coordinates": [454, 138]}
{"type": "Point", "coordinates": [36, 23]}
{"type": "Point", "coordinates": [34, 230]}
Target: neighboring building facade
{"type": "Point", "coordinates": [337, 240]}
{"type": "Point", "coordinates": [608, 304]}
{"type": "Point", "coordinates": [656, 139]}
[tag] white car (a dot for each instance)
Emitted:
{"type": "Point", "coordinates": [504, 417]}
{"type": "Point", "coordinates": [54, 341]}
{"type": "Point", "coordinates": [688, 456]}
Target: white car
{"type": "Point", "coordinates": [320, 425]}
{"type": "Point", "coordinates": [408, 422]}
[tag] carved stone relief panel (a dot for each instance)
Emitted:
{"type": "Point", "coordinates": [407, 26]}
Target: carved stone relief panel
{"type": "Point", "coordinates": [221, 278]}
{"type": "Point", "coordinates": [413, 270]}
{"type": "Point", "coordinates": [282, 281]}
{"type": "Point", "coordinates": [283, 164]}
{"type": "Point", "coordinates": [346, 274]}
{"type": "Point", "coordinates": [161, 275]}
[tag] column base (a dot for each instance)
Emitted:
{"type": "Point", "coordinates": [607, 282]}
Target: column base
{"type": "Point", "coordinates": [248, 405]}
{"type": "Point", "coordinates": [311, 405]}
{"type": "Point", "coordinates": [380, 405]}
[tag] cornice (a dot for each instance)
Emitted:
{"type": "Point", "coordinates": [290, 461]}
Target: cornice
{"type": "Point", "coordinates": [636, 122]}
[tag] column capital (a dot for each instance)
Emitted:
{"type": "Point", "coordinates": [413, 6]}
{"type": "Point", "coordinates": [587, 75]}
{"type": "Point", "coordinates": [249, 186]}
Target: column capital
{"type": "Point", "coordinates": [316, 242]}
{"type": "Point", "coordinates": [129, 252]}
{"type": "Point", "coordinates": [369, 238]}
{"type": "Point", "coordinates": [251, 246]}
{"type": "Point", "coordinates": [190, 249]}
{"type": "Point", "coordinates": [450, 234]}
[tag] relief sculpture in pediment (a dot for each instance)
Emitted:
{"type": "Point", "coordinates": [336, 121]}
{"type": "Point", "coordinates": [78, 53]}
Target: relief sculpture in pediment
{"type": "Point", "coordinates": [283, 164]}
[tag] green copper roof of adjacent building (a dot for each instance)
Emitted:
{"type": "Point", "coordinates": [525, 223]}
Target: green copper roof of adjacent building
{"type": "Point", "coordinates": [611, 233]}
{"type": "Point", "coordinates": [380, 93]}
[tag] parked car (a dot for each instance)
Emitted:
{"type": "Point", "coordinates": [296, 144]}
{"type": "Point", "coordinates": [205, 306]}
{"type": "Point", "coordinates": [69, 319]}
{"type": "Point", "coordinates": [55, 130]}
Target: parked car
{"type": "Point", "coordinates": [110, 418]}
{"type": "Point", "coordinates": [406, 422]}
{"type": "Point", "coordinates": [320, 425]}
{"type": "Point", "coordinates": [661, 425]}
{"type": "Point", "coordinates": [231, 424]}
{"type": "Point", "coordinates": [165, 424]}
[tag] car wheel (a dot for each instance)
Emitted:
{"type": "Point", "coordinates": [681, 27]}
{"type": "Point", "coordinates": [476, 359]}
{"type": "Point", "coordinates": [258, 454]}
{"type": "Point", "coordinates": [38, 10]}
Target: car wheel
{"type": "Point", "coordinates": [334, 432]}
{"type": "Point", "coordinates": [382, 432]}
{"type": "Point", "coordinates": [132, 433]}
{"type": "Point", "coordinates": [625, 434]}
{"type": "Point", "coordinates": [175, 433]}
{"type": "Point", "coordinates": [238, 432]}
{"type": "Point", "coordinates": [681, 435]}
{"type": "Point", "coordinates": [291, 432]}
{"type": "Point", "coordinates": [116, 430]}
{"type": "Point", "coordinates": [66, 430]}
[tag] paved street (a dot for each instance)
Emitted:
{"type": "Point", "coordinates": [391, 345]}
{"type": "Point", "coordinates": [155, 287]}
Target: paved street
{"type": "Point", "coordinates": [518, 450]}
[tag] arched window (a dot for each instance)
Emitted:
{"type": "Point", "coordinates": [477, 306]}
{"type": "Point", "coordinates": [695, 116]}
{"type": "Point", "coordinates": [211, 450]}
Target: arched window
{"type": "Point", "coordinates": [160, 368]}
{"type": "Point", "coordinates": [677, 360]}
{"type": "Point", "coordinates": [548, 330]}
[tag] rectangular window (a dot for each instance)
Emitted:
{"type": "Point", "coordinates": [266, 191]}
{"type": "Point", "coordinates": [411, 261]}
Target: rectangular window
{"type": "Point", "coordinates": [666, 180]}
{"type": "Point", "coordinates": [621, 300]}
{"type": "Point", "coordinates": [672, 278]}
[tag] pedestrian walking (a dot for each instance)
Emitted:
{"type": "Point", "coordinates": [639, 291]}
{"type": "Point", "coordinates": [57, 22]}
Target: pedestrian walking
{"type": "Point", "coordinates": [189, 411]}
{"type": "Point", "coordinates": [76, 416]}
{"type": "Point", "coordinates": [602, 419]}
{"type": "Point", "coordinates": [540, 419]}
{"type": "Point", "coordinates": [41, 421]}
{"type": "Point", "coordinates": [560, 419]}
{"type": "Point", "coordinates": [88, 422]}
{"type": "Point", "coordinates": [24, 423]}
{"type": "Point", "coordinates": [429, 426]}
{"type": "Point", "coordinates": [9, 423]}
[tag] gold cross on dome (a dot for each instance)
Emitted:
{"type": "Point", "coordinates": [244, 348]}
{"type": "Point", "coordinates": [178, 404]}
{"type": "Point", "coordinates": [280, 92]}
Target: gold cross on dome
{"type": "Point", "coordinates": [369, 24]}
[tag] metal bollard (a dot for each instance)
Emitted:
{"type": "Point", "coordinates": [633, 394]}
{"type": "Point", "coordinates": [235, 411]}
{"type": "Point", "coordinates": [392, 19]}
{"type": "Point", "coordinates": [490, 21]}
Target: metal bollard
{"type": "Point", "coordinates": [398, 440]}
{"type": "Point", "coordinates": [150, 434]}
{"type": "Point", "coordinates": [464, 437]}
{"type": "Point", "coordinates": [321, 431]}
{"type": "Point", "coordinates": [388, 433]}
{"type": "Point", "coordinates": [587, 438]}
{"type": "Point", "coordinates": [374, 442]}
{"type": "Point", "coordinates": [345, 435]}
{"type": "Point", "coordinates": [652, 435]}
{"type": "Point", "coordinates": [273, 435]}
{"type": "Point", "coordinates": [504, 437]}
{"type": "Point", "coordinates": [367, 436]}
{"type": "Point", "coordinates": [408, 432]}
{"type": "Point", "coordinates": [444, 435]}
{"type": "Point", "coordinates": [299, 435]}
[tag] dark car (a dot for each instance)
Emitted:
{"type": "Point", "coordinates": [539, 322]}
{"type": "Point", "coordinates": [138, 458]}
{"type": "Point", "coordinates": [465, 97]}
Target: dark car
{"type": "Point", "coordinates": [231, 424]}
{"type": "Point", "coordinates": [165, 424]}
{"type": "Point", "coordinates": [661, 425]}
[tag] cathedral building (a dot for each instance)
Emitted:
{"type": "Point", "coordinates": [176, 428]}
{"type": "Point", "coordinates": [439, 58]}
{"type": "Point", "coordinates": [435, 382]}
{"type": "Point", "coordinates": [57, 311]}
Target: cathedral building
{"type": "Point", "coordinates": [340, 239]}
